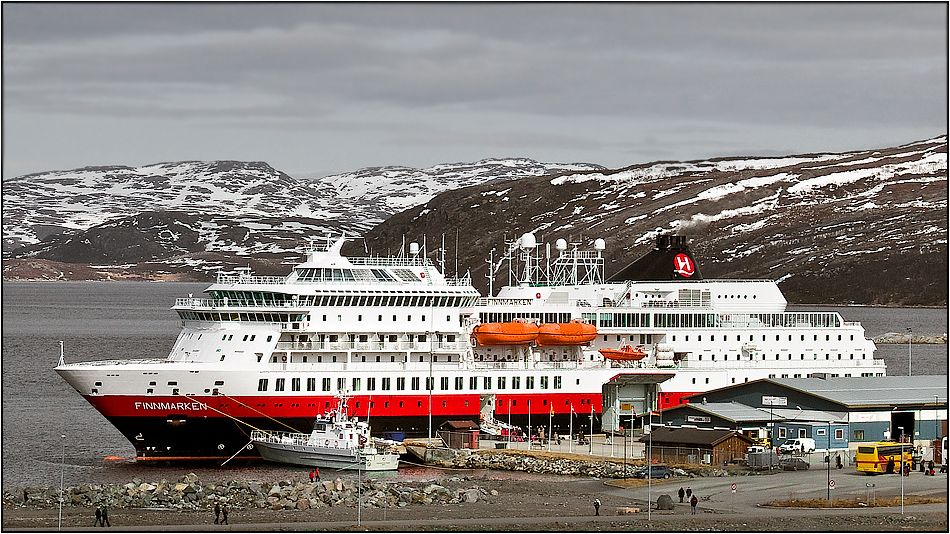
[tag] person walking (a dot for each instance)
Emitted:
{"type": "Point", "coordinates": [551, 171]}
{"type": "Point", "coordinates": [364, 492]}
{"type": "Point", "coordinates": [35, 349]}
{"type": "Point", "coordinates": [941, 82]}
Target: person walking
{"type": "Point", "coordinates": [217, 512]}
{"type": "Point", "coordinates": [224, 512]}
{"type": "Point", "coordinates": [681, 493]}
{"type": "Point", "coordinates": [311, 476]}
{"type": "Point", "coordinates": [692, 505]}
{"type": "Point", "coordinates": [105, 517]}
{"type": "Point", "coordinates": [98, 522]}
{"type": "Point", "coordinates": [689, 492]}
{"type": "Point", "coordinates": [596, 506]}
{"type": "Point", "coordinates": [316, 473]}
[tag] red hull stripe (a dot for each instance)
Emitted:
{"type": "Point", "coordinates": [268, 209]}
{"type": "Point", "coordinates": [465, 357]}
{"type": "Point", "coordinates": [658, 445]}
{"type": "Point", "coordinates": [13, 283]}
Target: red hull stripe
{"type": "Point", "coordinates": [360, 405]}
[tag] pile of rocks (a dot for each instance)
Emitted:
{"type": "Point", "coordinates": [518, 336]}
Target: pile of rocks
{"type": "Point", "coordinates": [190, 494]}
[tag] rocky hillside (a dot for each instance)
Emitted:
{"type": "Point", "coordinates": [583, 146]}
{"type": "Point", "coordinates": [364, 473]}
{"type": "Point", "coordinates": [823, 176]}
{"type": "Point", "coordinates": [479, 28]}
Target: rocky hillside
{"type": "Point", "coordinates": [187, 220]}
{"type": "Point", "coordinates": [867, 227]}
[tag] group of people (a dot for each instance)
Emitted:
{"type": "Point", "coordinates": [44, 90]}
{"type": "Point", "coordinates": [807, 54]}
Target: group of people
{"type": "Point", "coordinates": [102, 517]}
{"type": "Point", "coordinates": [314, 475]}
{"type": "Point", "coordinates": [693, 501]}
{"type": "Point", "coordinates": [220, 511]}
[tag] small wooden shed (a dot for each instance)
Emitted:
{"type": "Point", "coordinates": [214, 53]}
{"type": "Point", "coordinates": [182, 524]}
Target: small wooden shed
{"type": "Point", "coordinates": [459, 434]}
{"type": "Point", "coordinates": [697, 445]}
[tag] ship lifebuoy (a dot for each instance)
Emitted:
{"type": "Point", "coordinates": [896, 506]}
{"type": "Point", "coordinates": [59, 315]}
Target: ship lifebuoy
{"type": "Point", "coordinates": [423, 275]}
{"type": "Point", "coordinates": [336, 443]}
{"type": "Point", "coordinates": [283, 359]}
{"type": "Point", "coordinates": [537, 295]}
{"type": "Point", "coordinates": [327, 443]}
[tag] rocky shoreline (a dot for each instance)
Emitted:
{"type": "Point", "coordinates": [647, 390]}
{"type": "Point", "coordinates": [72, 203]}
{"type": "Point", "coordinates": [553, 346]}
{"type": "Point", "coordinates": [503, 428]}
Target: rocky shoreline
{"type": "Point", "coordinates": [894, 338]}
{"type": "Point", "coordinates": [189, 493]}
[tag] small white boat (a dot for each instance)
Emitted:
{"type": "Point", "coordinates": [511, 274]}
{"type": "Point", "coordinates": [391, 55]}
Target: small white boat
{"type": "Point", "coordinates": [336, 441]}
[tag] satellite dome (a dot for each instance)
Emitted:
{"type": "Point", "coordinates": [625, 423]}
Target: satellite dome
{"type": "Point", "coordinates": [560, 244]}
{"type": "Point", "coordinates": [599, 244]}
{"type": "Point", "coordinates": [528, 241]}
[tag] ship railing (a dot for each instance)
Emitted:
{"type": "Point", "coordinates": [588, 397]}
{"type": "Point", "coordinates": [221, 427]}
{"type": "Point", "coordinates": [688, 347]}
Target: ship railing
{"type": "Point", "coordinates": [452, 346]}
{"type": "Point", "coordinates": [498, 301]}
{"type": "Point", "coordinates": [120, 362]}
{"type": "Point", "coordinates": [392, 261]}
{"type": "Point", "coordinates": [285, 438]}
{"type": "Point", "coordinates": [224, 278]}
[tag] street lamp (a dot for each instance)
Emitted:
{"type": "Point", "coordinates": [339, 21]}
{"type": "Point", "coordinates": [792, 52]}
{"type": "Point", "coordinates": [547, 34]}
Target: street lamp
{"type": "Point", "coordinates": [62, 480]}
{"type": "Point", "coordinates": [901, 471]}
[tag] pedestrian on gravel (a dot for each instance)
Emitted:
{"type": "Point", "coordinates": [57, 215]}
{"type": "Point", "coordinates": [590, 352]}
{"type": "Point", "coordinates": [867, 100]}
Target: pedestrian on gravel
{"type": "Point", "coordinates": [105, 517]}
{"type": "Point", "coordinates": [689, 492]}
{"type": "Point", "coordinates": [890, 465]}
{"type": "Point", "coordinates": [311, 476]}
{"type": "Point", "coordinates": [224, 512]}
{"type": "Point", "coordinates": [596, 506]}
{"type": "Point", "coordinates": [217, 512]}
{"type": "Point", "coordinates": [98, 522]}
{"type": "Point", "coordinates": [316, 474]}
{"type": "Point", "coordinates": [692, 505]}
{"type": "Point", "coordinates": [681, 493]}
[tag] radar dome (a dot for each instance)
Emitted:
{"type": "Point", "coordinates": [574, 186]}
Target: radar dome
{"type": "Point", "coordinates": [599, 244]}
{"type": "Point", "coordinates": [528, 240]}
{"type": "Point", "coordinates": [413, 248]}
{"type": "Point", "coordinates": [560, 244]}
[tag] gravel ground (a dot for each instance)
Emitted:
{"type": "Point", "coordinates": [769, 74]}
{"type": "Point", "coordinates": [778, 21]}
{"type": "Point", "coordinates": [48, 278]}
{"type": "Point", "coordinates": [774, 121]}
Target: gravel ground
{"type": "Point", "coordinates": [519, 506]}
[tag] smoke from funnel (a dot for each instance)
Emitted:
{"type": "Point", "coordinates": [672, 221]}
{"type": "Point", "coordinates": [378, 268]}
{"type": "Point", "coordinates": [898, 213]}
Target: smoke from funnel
{"type": "Point", "coordinates": [693, 225]}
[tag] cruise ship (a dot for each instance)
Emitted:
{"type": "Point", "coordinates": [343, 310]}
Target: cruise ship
{"type": "Point", "coordinates": [413, 348]}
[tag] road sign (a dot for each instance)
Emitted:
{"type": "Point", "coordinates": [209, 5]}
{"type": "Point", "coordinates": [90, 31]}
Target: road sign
{"type": "Point", "coordinates": [831, 484]}
{"type": "Point", "coordinates": [734, 486]}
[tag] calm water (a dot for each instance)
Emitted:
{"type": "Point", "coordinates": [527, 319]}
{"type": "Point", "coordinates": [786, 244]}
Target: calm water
{"type": "Point", "coordinates": [100, 321]}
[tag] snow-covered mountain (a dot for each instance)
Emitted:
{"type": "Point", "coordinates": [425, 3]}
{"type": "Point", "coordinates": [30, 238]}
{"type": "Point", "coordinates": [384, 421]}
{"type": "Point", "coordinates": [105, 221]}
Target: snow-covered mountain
{"type": "Point", "coordinates": [867, 226]}
{"type": "Point", "coordinates": [219, 209]}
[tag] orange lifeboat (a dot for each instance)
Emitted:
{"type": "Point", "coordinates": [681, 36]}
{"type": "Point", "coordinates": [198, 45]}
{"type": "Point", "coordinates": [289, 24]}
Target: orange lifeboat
{"type": "Point", "coordinates": [515, 333]}
{"type": "Point", "coordinates": [576, 332]}
{"type": "Point", "coordinates": [625, 353]}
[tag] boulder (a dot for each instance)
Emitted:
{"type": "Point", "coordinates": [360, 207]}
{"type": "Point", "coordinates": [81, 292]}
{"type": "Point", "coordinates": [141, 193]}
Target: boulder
{"type": "Point", "coordinates": [303, 504]}
{"type": "Point", "coordinates": [338, 484]}
{"type": "Point", "coordinates": [664, 502]}
{"type": "Point", "coordinates": [470, 495]}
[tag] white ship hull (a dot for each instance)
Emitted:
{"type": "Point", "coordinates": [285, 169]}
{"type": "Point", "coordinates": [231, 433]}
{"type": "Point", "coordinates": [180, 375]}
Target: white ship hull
{"type": "Point", "coordinates": [396, 335]}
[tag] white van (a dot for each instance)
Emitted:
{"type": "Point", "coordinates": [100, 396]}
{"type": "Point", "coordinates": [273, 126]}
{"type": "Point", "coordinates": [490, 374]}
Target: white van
{"type": "Point", "coordinates": [797, 445]}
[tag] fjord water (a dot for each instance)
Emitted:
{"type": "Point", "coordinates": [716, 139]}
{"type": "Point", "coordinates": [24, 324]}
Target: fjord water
{"type": "Point", "coordinates": [100, 321]}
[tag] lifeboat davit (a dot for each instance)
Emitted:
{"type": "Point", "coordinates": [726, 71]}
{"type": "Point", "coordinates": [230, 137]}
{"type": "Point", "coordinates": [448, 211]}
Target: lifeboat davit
{"type": "Point", "coordinates": [514, 333]}
{"type": "Point", "coordinates": [625, 353]}
{"type": "Point", "coordinates": [572, 333]}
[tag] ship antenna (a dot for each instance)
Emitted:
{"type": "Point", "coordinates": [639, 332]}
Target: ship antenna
{"type": "Point", "coordinates": [62, 359]}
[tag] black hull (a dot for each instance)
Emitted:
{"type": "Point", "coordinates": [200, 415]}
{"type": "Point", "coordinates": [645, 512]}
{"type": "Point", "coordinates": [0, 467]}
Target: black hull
{"type": "Point", "coordinates": [215, 439]}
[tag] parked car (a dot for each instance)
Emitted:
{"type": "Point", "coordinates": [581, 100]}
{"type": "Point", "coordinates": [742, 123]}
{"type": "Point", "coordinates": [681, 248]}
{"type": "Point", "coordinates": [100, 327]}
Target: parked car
{"type": "Point", "coordinates": [797, 445]}
{"type": "Point", "coordinates": [793, 464]}
{"type": "Point", "coordinates": [655, 471]}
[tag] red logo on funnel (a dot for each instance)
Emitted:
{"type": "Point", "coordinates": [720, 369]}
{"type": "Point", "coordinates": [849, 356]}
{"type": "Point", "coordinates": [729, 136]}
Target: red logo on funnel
{"type": "Point", "coordinates": [683, 265]}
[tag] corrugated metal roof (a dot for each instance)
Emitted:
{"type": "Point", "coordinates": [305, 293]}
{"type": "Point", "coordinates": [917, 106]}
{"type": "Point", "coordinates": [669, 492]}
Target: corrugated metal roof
{"type": "Point", "coordinates": [873, 391]}
{"type": "Point", "coordinates": [740, 413]}
{"type": "Point", "coordinates": [690, 436]}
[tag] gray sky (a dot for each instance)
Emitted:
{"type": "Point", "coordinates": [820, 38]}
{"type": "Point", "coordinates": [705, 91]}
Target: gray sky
{"type": "Point", "coordinates": [315, 89]}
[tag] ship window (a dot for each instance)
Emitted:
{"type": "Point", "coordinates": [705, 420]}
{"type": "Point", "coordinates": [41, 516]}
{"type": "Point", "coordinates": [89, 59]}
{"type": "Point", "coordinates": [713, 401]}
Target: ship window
{"type": "Point", "coordinates": [173, 383]}
{"type": "Point", "coordinates": [502, 380]}
{"type": "Point", "coordinates": [340, 383]}
{"type": "Point", "coordinates": [371, 384]}
{"type": "Point", "coordinates": [386, 383]}
{"type": "Point", "coordinates": [418, 404]}
{"type": "Point", "coordinates": [279, 384]}
{"type": "Point", "coordinates": [516, 382]}
{"type": "Point", "coordinates": [311, 384]}
{"type": "Point", "coordinates": [356, 383]}
{"type": "Point", "coordinates": [486, 382]}
{"type": "Point", "coordinates": [150, 383]}
{"type": "Point", "coordinates": [544, 382]}
{"type": "Point", "coordinates": [472, 382]}
{"type": "Point", "coordinates": [529, 382]}
{"type": "Point", "coordinates": [401, 383]}
{"type": "Point", "coordinates": [325, 384]}
{"type": "Point", "coordinates": [415, 383]}
{"type": "Point", "coordinates": [557, 382]}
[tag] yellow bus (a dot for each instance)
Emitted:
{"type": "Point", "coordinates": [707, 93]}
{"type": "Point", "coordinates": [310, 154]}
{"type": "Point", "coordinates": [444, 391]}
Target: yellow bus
{"type": "Point", "coordinates": [882, 457]}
